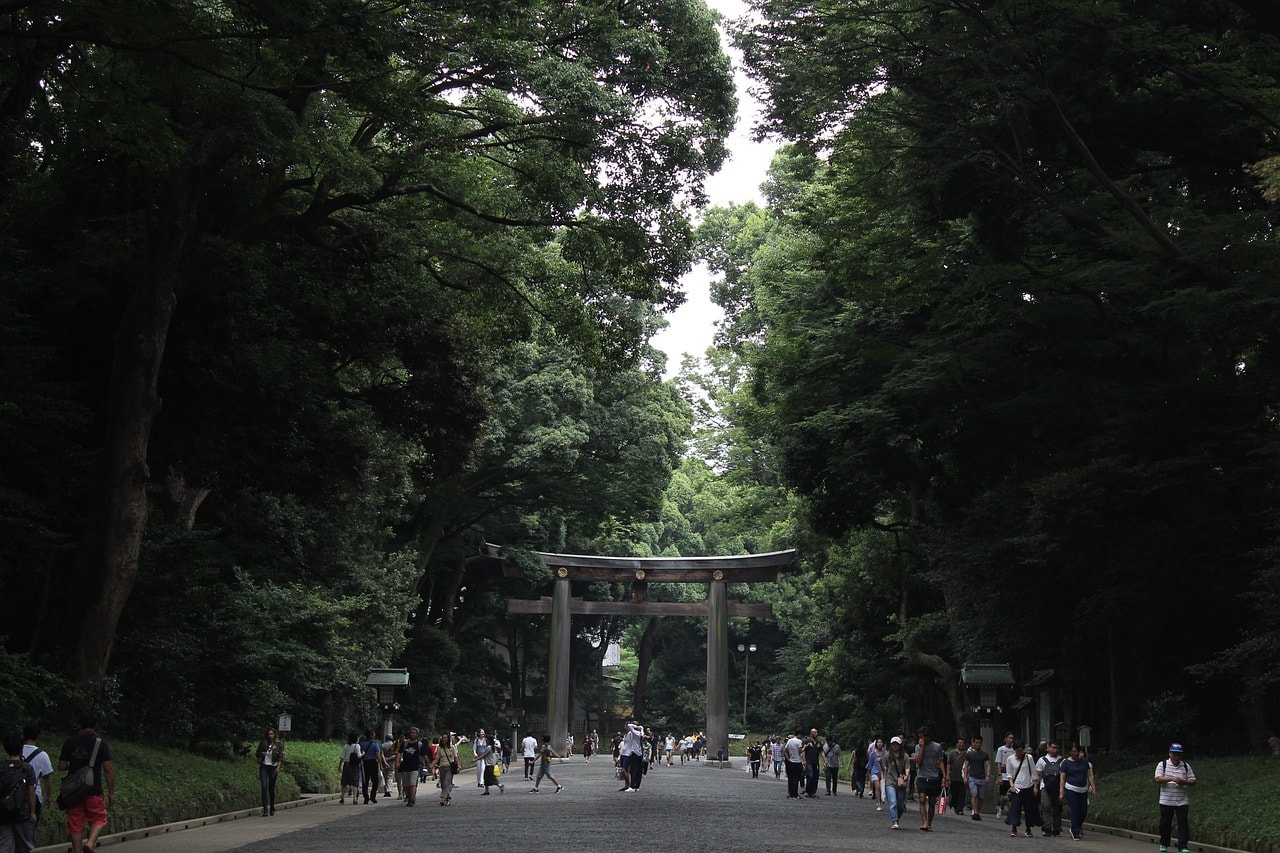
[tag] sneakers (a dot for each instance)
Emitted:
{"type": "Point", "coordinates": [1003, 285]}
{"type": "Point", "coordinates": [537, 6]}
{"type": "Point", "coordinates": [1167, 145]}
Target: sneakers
{"type": "Point", "coordinates": [1013, 834]}
{"type": "Point", "coordinates": [1028, 832]}
{"type": "Point", "coordinates": [1164, 848]}
{"type": "Point", "coordinates": [559, 788]}
{"type": "Point", "coordinates": [975, 816]}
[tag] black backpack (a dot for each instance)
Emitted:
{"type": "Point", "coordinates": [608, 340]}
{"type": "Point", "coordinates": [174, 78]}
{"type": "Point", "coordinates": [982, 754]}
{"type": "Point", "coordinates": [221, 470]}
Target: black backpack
{"type": "Point", "coordinates": [14, 798]}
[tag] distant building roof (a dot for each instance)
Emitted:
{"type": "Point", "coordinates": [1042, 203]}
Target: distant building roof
{"type": "Point", "coordinates": [977, 674]}
{"type": "Point", "coordinates": [1040, 676]}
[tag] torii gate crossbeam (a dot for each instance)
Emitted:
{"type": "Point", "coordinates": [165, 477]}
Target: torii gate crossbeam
{"type": "Point", "coordinates": [716, 572]}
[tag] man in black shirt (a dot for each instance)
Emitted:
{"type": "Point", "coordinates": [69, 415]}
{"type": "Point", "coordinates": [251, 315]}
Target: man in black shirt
{"type": "Point", "coordinates": [84, 749]}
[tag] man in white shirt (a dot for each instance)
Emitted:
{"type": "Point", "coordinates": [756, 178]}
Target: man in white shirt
{"type": "Point", "coordinates": [793, 755]}
{"type": "Point", "coordinates": [40, 763]}
{"type": "Point", "coordinates": [1003, 753]}
{"type": "Point", "coordinates": [1175, 778]}
{"type": "Point", "coordinates": [529, 749]}
{"type": "Point", "coordinates": [632, 761]}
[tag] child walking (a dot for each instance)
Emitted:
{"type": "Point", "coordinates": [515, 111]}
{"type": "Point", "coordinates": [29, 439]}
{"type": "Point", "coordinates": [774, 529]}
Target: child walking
{"type": "Point", "coordinates": [546, 753]}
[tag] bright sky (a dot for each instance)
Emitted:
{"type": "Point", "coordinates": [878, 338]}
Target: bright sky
{"type": "Point", "coordinates": [738, 181]}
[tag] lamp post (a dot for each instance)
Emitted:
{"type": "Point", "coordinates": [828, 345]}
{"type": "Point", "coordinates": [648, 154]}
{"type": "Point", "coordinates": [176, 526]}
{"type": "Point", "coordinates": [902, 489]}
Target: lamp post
{"type": "Point", "coordinates": [746, 676]}
{"type": "Point", "coordinates": [386, 681]}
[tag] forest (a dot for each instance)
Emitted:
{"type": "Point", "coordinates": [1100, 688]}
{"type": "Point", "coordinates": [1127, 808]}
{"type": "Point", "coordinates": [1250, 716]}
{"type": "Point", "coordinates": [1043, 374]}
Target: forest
{"type": "Point", "coordinates": [305, 304]}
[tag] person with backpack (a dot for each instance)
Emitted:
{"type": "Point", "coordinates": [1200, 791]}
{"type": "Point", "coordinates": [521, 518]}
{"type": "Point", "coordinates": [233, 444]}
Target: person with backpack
{"type": "Point", "coordinates": [350, 766]}
{"type": "Point", "coordinates": [1175, 777]}
{"type": "Point", "coordinates": [17, 799]}
{"type": "Point", "coordinates": [85, 749]}
{"type": "Point", "coordinates": [40, 763]}
{"type": "Point", "coordinates": [1049, 767]}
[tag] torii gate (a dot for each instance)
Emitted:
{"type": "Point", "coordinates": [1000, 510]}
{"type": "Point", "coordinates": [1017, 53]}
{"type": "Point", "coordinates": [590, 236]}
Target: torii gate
{"type": "Point", "coordinates": [716, 572]}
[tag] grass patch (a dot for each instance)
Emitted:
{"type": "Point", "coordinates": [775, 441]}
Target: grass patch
{"type": "Point", "coordinates": [1233, 804]}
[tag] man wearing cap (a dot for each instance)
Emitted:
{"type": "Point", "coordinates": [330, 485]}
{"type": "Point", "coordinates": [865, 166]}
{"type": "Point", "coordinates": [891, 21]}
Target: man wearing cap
{"type": "Point", "coordinates": [1175, 777]}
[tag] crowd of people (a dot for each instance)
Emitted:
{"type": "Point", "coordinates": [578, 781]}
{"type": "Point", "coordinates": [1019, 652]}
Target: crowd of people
{"type": "Point", "coordinates": [1031, 787]}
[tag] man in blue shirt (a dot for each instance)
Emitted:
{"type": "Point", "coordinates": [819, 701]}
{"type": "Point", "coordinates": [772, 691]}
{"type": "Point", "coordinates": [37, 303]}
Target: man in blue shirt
{"type": "Point", "coordinates": [373, 763]}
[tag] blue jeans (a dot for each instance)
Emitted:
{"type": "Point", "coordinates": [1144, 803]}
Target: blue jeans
{"type": "Point", "coordinates": [1078, 805]}
{"type": "Point", "coordinates": [896, 797]}
{"type": "Point", "coordinates": [267, 781]}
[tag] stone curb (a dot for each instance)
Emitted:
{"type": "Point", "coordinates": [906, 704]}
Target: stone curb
{"type": "Point", "coordinates": [177, 826]}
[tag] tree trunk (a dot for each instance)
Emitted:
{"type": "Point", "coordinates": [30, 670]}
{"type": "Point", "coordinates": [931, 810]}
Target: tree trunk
{"type": "Point", "coordinates": [645, 657]}
{"type": "Point", "coordinates": [108, 560]}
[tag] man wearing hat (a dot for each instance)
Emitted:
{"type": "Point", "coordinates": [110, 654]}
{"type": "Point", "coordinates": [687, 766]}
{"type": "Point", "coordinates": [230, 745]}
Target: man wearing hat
{"type": "Point", "coordinates": [1175, 778]}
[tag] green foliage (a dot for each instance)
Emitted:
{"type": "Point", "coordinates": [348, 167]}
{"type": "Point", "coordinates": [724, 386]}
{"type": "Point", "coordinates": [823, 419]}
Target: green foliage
{"type": "Point", "coordinates": [1129, 798]}
{"type": "Point", "coordinates": [1017, 324]}
{"type": "Point", "coordinates": [155, 786]}
{"type": "Point", "coordinates": [269, 298]}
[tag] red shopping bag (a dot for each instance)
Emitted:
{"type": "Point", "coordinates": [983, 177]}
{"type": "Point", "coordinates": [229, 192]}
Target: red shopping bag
{"type": "Point", "coordinates": [942, 803]}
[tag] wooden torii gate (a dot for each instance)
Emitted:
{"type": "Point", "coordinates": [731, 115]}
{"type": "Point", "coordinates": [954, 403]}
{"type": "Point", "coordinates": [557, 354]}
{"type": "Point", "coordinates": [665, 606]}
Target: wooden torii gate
{"type": "Point", "coordinates": [716, 572]}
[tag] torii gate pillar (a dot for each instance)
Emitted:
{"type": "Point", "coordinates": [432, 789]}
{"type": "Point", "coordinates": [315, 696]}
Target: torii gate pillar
{"type": "Point", "coordinates": [717, 669]}
{"type": "Point", "coordinates": [558, 664]}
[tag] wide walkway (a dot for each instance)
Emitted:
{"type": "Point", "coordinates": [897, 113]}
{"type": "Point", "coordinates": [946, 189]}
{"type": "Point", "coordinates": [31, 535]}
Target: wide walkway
{"type": "Point", "coordinates": [682, 808]}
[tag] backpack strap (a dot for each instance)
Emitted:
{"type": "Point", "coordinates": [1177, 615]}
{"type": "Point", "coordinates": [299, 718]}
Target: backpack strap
{"type": "Point", "coordinates": [93, 757]}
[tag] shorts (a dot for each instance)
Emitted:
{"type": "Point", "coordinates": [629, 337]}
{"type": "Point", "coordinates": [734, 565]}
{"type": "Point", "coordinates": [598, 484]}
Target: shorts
{"type": "Point", "coordinates": [92, 810]}
{"type": "Point", "coordinates": [929, 787]}
{"type": "Point", "coordinates": [407, 778]}
{"type": "Point", "coordinates": [1004, 787]}
{"type": "Point", "coordinates": [874, 777]}
{"type": "Point", "coordinates": [977, 788]}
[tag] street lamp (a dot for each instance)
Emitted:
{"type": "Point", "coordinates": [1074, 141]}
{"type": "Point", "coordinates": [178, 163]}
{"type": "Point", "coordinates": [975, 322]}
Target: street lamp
{"type": "Point", "coordinates": [746, 677]}
{"type": "Point", "coordinates": [386, 681]}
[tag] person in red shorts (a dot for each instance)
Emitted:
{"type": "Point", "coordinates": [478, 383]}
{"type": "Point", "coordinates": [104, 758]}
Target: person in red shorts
{"type": "Point", "coordinates": [77, 752]}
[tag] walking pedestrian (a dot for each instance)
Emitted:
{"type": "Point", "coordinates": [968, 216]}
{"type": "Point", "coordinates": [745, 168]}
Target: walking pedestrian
{"type": "Point", "coordinates": [876, 753]}
{"type": "Point", "coordinates": [957, 790]}
{"type": "Point", "coordinates": [1077, 787]}
{"type": "Point", "coordinates": [1024, 800]}
{"type": "Point", "coordinates": [977, 773]}
{"type": "Point", "coordinates": [1175, 778]}
{"type": "Point", "coordinates": [633, 755]}
{"type": "Point", "coordinates": [812, 760]}
{"type": "Point", "coordinates": [775, 754]}
{"type": "Point", "coordinates": [270, 755]}
{"type": "Point", "coordinates": [1002, 753]}
{"type": "Point", "coordinates": [529, 749]}
{"type": "Point", "coordinates": [858, 770]}
{"type": "Point", "coordinates": [40, 763]}
{"type": "Point", "coordinates": [18, 832]}
{"type": "Point", "coordinates": [411, 755]}
{"type": "Point", "coordinates": [1049, 767]}
{"type": "Point", "coordinates": [896, 770]}
{"type": "Point", "coordinates": [930, 761]}
{"type": "Point", "coordinates": [371, 769]}
{"type": "Point", "coordinates": [545, 754]}
{"type": "Point", "coordinates": [831, 765]}
{"type": "Point", "coordinates": [793, 755]}
{"type": "Point", "coordinates": [444, 766]}
{"type": "Point", "coordinates": [350, 765]}
{"type": "Point", "coordinates": [86, 749]}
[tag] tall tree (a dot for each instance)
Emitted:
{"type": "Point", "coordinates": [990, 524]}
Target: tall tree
{"type": "Point", "coordinates": [1032, 333]}
{"type": "Point", "coordinates": [509, 162]}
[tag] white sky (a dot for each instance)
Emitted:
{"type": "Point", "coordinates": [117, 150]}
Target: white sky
{"type": "Point", "coordinates": [738, 181]}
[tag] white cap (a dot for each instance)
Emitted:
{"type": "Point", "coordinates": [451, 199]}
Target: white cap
{"type": "Point", "coordinates": [895, 739]}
